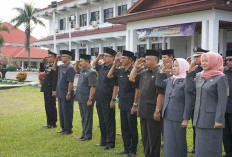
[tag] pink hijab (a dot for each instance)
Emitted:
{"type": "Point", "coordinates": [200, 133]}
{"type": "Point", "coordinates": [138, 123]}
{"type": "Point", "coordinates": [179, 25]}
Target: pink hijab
{"type": "Point", "coordinates": [183, 67]}
{"type": "Point", "coordinates": [215, 63]}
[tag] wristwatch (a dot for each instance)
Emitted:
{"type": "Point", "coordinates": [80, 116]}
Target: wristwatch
{"type": "Point", "coordinates": [68, 93]}
{"type": "Point", "coordinates": [135, 104]}
{"type": "Point", "coordinates": [113, 99]}
{"type": "Point", "coordinates": [157, 110]}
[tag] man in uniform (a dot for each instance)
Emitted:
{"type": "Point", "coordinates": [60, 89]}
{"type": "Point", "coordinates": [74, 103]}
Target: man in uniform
{"type": "Point", "coordinates": [198, 51]}
{"type": "Point", "coordinates": [64, 91]}
{"type": "Point", "coordinates": [167, 58]}
{"type": "Point", "coordinates": [227, 131]}
{"type": "Point", "coordinates": [126, 98]}
{"type": "Point", "coordinates": [49, 89]}
{"type": "Point", "coordinates": [85, 91]}
{"type": "Point", "coordinates": [150, 102]}
{"type": "Point", "coordinates": [105, 99]}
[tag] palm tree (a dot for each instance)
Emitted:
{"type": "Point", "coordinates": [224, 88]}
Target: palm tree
{"type": "Point", "coordinates": [2, 28]}
{"type": "Point", "coordinates": [26, 16]}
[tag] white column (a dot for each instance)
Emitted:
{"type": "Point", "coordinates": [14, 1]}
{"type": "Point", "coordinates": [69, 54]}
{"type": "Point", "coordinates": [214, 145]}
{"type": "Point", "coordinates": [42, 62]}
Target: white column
{"type": "Point", "coordinates": [100, 48]}
{"type": "Point", "coordinates": [164, 43]}
{"type": "Point", "coordinates": [114, 46]}
{"type": "Point", "coordinates": [192, 46]}
{"type": "Point", "coordinates": [67, 23]}
{"type": "Point", "coordinates": [88, 17]}
{"type": "Point", "coordinates": [133, 41]}
{"type": "Point", "coordinates": [149, 46]}
{"type": "Point", "coordinates": [22, 65]}
{"type": "Point", "coordinates": [115, 9]}
{"type": "Point", "coordinates": [54, 31]}
{"type": "Point", "coordinates": [77, 52]}
{"type": "Point", "coordinates": [77, 19]}
{"type": "Point", "coordinates": [205, 34]}
{"type": "Point", "coordinates": [213, 35]}
{"type": "Point", "coordinates": [223, 42]}
{"type": "Point", "coordinates": [168, 43]}
{"type": "Point", "coordinates": [101, 15]}
{"type": "Point", "coordinates": [88, 49]}
{"type": "Point", "coordinates": [70, 37]}
{"type": "Point", "coordinates": [127, 39]}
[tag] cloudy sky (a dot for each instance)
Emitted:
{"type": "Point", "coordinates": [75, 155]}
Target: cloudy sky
{"type": "Point", "coordinates": [7, 13]}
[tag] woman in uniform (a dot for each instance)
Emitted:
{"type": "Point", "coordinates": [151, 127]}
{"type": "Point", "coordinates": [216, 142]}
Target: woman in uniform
{"type": "Point", "coordinates": [177, 108]}
{"type": "Point", "coordinates": [210, 87]}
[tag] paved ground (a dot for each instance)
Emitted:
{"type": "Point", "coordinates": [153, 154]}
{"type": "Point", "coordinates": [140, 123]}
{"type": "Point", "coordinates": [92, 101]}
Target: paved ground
{"type": "Point", "coordinates": [31, 76]}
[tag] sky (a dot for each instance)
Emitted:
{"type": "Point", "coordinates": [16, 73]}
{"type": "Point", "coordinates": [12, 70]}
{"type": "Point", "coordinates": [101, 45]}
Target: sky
{"type": "Point", "coordinates": [7, 13]}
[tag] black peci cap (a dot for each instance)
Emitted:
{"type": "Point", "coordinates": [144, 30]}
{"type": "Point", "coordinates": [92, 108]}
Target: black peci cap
{"type": "Point", "coordinates": [128, 54]}
{"type": "Point", "coordinates": [110, 51]}
{"type": "Point", "coordinates": [167, 52]}
{"type": "Point", "coordinates": [66, 52]}
{"type": "Point", "coordinates": [84, 56]}
{"type": "Point", "coordinates": [152, 53]}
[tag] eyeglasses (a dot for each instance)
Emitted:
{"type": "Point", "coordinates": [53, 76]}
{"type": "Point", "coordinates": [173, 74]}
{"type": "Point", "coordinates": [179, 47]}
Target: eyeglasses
{"type": "Point", "coordinates": [229, 60]}
{"type": "Point", "coordinates": [107, 56]}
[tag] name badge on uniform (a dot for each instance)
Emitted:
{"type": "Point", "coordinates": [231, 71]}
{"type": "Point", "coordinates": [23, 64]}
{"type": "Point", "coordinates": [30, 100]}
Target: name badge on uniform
{"type": "Point", "coordinates": [85, 73]}
{"type": "Point", "coordinates": [121, 76]}
{"type": "Point", "coordinates": [152, 76]}
{"type": "Point", "coordinates": [211, 80]}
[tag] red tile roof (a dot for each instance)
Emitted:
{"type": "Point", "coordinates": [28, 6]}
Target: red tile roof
{"type": "Point", "coordinates": [15, 36]}
{"type": "Point", "coordinates": [20, 52]}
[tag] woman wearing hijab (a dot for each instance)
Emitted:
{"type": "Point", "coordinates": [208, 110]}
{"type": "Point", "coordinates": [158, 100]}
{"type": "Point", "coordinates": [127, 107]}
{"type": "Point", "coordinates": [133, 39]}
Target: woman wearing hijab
{"type": "Point", "coordinates": [210, 87]}
{"type": "Point", "coordinates": [177, 108]}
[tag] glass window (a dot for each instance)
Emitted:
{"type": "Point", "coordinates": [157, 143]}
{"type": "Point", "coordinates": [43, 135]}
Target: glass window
{"type": "Point", "coordinates": [63, 24]}
{"type": "Point", "coordinates": [94, 16]}
{"type": "Point", "coordinates": [121, 48]}
{"type": "Point", "coordinates": [141, 50]}
{"type": "Point", "coordinates": [83, 20]}
{"type": "Point", "coordinates": [72, 20]}
{"type": "Point", "coordinates": [94, 51]}
{"type": "Point", "coordinates": [122, 9]}
{"type": "Point", "coordinates": [108, 13]}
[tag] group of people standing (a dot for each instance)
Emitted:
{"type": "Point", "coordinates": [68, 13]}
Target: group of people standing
{"type": "Point", "coordinates": [165, 97]}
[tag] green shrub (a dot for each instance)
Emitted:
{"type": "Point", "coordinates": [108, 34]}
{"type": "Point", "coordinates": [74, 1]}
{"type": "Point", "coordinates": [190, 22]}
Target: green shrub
{"type": "Point", "coordinates": [12, 68]}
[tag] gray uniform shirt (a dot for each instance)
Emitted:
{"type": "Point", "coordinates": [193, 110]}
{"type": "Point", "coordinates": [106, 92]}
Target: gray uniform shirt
{"type": "Point", "coordinates": [66, 74]}
{"type": "Point", "coordinates": [178, 102]}
{"type": "Point", "coordinates": [86, 80]}
{"type": "Point", "coordinates": [211, 99]}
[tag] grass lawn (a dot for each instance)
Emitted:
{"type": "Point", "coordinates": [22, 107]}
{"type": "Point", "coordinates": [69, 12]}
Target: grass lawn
{"type": "Point", "coordinates": [21, 133]}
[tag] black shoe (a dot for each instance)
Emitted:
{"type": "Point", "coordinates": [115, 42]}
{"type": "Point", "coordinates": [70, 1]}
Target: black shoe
{"type": "Point", "coordinates": [86, 139]}
{"type": "Point", "coordinates": [51, 126]}
{"type": "Point", "coordinates": [108, 148]}
{"type": "Point", "coordinates": [67, 132]}
{"type": "Point", "coordinates": [123, 152]}
{"type": "Point", "coordinates": [100, 145]}
{"type": "Point", "coordinates": [131, 155]}
{"type": "Point", "coordinates": [192, 151]}
{"type": "Point", "coordinates": [46, 126]}
{"type": "Point", "coordinates": [60, 132]}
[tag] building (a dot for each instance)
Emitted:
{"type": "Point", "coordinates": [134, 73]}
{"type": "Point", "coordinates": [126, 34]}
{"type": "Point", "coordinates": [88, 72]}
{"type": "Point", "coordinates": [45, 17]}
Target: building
{"type": "Point", "coordinates": [14, 47]}
{"type": "Point", "coordinates": [147, 24]}
{"type": "Point", "coordinates": [81, 26]}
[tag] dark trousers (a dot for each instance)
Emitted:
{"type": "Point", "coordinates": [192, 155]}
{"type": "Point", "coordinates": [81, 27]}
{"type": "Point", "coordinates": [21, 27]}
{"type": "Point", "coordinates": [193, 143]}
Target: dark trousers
{"type": "Point", "coordinates": [50, 108]}
{"type": "Point", "coordinates": [107, 123]}
{"type": "Point", "coordinates": [151, 135]}
{"type": "Point", "coordinates": [227, 135]}
{"type": "Point", "coordinates": [66, 114]}
{"type": "Point", "coordinates": [129, 131]}
{"type": "Point", "coordinates": [86, 119]}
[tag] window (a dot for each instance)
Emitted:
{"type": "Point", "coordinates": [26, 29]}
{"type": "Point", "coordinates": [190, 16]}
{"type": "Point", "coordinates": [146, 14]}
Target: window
{"type": "Point", "coordinates": [157, 46]}
{"type": "Point", "coordinates": [108, 13]}
{"type": "Point", "coordinates": [141, 50]}
{"type": "Point", "coordinates": [121, 48]}
{"type": "Point", "coordinates": [63, 24]}
{"type": "Point", "coordinates": [72, 20]}
{"type": "Point", "coordinates": [83, 20]}
{"type": "Point", "coordinates": [94, 51]}
{"type": "Point", "coordinates": [122, 9]}
{"type": "Point", "coordinates": [94, 16]}
{"type": "Point", "coordinates": [82, 51]}
{"type": "Point", "coordinates": [73, 54]}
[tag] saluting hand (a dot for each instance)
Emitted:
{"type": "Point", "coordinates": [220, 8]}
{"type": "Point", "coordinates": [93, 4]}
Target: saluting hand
{"type": "Point", "coordinates": [193, 66]}
{"type": "Point", "coordinates": [43, 60]}
{"type": "Point", "coordinates": [100, 56]}
{"type": "Point", "coordinates": [166, 67]}
{"type": "Point", "coordinates": [184, 123]}
{"type": "Point", "coordinates": [58, 58]}
{"type": "Point", "coordinates": [112, 104]}
{"type": "Point", "coordinates": [189, 60]}
{"type": "Point", "coordinates": [139, 63]}
{"type": "Point", "coordinates": [117, 62]}
{"type": "Point", "coordinates": [217, 125]}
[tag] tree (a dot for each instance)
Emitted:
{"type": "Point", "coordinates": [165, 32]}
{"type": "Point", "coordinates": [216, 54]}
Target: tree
{"type": "Point", "coordinates": [27, 17]}
{"type": "Point", "coordinates": [2, 28]}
